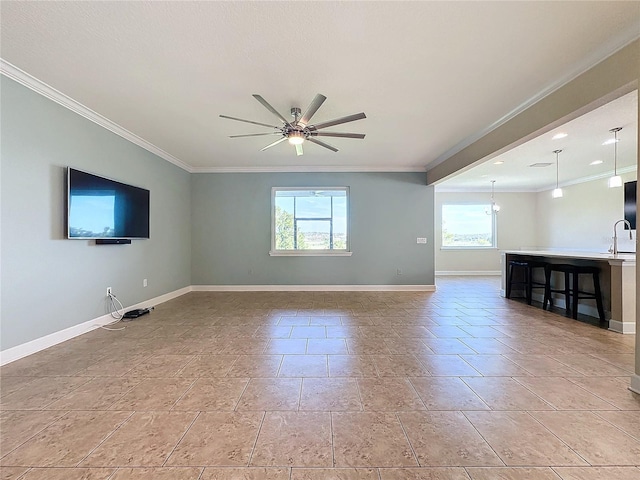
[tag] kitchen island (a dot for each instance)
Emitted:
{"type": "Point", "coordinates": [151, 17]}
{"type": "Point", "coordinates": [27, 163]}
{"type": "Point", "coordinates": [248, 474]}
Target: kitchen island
{"type": "Point", "coordinates": [617, 280]}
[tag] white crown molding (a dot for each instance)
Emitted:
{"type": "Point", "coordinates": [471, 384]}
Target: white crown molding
{"type": "Point", "coordinates": [310, 169]}
{"type": "Point", "coordinates": [596, 57]}
{"type": "Point", "coordinates": [11, 71]}
{"type": "Point", "coordinates": [38, 86]}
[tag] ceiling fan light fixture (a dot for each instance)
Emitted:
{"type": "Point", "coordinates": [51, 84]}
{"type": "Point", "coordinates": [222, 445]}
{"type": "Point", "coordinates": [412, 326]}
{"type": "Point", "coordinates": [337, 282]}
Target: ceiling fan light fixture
{"type": "Point", "coordinates": [296, 138]}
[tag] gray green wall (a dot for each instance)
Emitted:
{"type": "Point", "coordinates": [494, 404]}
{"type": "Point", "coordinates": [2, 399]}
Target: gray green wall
{"type": "Point", "coordinates": [50, 283]}
{"type": "Point", "coordinates": [206, 229]}
{"type": "Point", "coordinates": [231, 232]}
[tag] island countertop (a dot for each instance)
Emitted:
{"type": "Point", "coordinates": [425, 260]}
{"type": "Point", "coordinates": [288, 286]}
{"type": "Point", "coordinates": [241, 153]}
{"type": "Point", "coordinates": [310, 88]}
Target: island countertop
{"type": "Point", "coordinates": [625, 257]}
{"type": "Point", "coordinates": [618, 280]}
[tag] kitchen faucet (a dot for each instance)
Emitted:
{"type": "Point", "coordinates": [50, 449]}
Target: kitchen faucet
{"type": "Point", "coordinates": [614, 250]}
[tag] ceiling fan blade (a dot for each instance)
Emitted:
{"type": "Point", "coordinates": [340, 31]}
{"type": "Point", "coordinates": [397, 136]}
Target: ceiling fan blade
{"type": "Point", "coordinates": [338, 121]}
{"type": "Point", "coordinates": [338, 134]}
{"type": "Point", "coordinates": [299, 150]}
{"type": "Point", "coordinates": [249, 121]}
{"type": "Point", "coordinates": [255, 134]}
{"type": "Point", "coordinates": [312, 109]}
{"type": "Point", "coordinates": [268, 106]}
{"type": "Point", "coordinates": [322, 144]}
{"type": "Point", "coordinates": [274, 143]}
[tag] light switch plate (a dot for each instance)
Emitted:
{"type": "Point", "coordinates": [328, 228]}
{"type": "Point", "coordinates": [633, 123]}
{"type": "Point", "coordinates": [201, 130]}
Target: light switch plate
{"type": "Point", "coordinates": [421, 240]}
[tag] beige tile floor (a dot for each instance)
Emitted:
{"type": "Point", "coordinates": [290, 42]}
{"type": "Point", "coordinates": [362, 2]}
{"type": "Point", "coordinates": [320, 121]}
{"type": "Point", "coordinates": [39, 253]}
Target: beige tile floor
{"type": "Point", "coordinates": [455, 384]}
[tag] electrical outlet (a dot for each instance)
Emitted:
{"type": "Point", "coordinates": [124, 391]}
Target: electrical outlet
{"type": "Point", "coordinates": [144, 282]}
{"type": "Point", "coordinates": [108, 290]}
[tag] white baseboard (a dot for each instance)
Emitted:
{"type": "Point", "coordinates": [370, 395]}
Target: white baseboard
{"type": "Point", "coordinates": [313, 288]}
{"type": "Point", "coordinates": [622, 327]}
{"type": "Point", "coordinates": [20, 351]}
{"type": "Point", "coordinates": [635, 384]}
{"type": "Point", "coordinates": [463, 273]}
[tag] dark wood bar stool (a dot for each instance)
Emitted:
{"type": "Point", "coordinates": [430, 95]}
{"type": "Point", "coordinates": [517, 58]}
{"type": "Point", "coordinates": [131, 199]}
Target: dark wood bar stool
{"type": "Point", "coordinates": [528, 283]}
{"type": "Point", "coordinates": [571, 290]}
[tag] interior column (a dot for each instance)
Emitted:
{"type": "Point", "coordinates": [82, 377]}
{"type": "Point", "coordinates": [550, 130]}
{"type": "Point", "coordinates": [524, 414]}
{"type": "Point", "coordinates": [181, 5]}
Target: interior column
{"type": "Point", "coordinates": [635, 380]}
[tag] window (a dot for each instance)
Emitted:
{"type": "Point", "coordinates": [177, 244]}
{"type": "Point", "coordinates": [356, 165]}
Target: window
{"type": "Point", "coordinates": [308, 221]}
{"type": "Point", "coordinates": [468, 226]}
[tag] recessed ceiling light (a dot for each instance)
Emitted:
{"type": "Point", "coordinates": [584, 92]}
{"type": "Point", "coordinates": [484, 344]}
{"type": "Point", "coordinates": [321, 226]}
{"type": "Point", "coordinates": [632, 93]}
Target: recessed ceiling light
{"type": "Point", "coordinates": [596, 162]}
{"type": "Point", "coordinates": [483, 176]}
{"type": "Point", "coordinates": [540, 164]}
{"type": "Point", "coordinates": [560, 135]}
{"type": "Point", "coordinates": [498, 162]}
{"type": "Point", "coordinates": [609, 142]}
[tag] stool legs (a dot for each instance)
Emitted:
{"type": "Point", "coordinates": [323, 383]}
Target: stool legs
{"type": "Point", "coordinates": [574, 304]}
{"type": "Point", "coordinates": [547, 289]}
{"type": "Point", "coordinates": [509, 280]}
{"type": "Point", "coordinates": [596, 285]}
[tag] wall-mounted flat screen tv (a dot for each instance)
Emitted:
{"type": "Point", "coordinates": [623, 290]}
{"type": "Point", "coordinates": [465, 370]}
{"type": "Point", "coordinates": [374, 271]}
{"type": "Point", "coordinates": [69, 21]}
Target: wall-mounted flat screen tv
{"type": "Point", "coordinates": [100, 208]}
{"type": "Point", "coordinates": [630, 209]}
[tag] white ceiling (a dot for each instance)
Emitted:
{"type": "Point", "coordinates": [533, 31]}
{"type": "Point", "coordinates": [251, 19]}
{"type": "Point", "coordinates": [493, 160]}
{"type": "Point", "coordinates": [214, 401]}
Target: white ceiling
{"type": "Point", "coordinates": [429, 75]}
{"type": "Point", "coordinates": [582, 145]}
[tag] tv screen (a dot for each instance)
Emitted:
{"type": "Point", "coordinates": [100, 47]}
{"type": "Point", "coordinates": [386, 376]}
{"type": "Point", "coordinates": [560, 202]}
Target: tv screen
{"type": "Point", "coordinates": [102, 209]}
{"type": "Point", "coordinates": [630, 203]}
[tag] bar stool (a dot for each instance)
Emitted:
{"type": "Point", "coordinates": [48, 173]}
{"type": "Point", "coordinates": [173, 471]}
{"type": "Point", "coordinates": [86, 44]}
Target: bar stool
{"type": "Point", "coordinates": [571, 290]}
{"type": "Point", "coordinates": [527, 266]}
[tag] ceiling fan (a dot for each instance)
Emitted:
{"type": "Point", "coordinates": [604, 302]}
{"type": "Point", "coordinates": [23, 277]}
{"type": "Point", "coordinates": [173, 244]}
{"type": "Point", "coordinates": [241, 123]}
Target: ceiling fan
{"type": "Point", "coordinates": [299, 130]}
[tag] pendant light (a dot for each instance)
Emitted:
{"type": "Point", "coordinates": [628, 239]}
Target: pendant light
{"type": "Point", "coordinates": [495, 208]}
{"type": "Point", "coordinates": [557, 192]}
{"type": "Point", "coordinates": [616, 180]}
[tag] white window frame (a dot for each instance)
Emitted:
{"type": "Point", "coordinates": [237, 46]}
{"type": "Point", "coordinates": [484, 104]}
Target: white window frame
{"type": "Point", "coordinates": [494, 228]}
{"type": "Point", "coordinates": [308, 253]}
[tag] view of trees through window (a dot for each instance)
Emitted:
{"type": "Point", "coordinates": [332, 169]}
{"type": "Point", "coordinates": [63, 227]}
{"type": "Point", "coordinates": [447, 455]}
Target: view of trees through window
{"type": "Point", "coordinates": [467, 226]}
{"type": "Point", "coordinates": [310, 219]}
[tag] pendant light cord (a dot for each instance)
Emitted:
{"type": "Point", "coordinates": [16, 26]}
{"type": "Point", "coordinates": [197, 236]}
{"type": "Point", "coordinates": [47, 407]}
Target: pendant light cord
{"type": "Point", "coordinates": [615, 152]}
{"type": "Point", "coordinates": [557, 152]}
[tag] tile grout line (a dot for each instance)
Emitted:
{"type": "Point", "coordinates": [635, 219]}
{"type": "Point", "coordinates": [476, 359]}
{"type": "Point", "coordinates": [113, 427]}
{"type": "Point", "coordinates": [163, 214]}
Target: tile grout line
{"type": "Point", "coordinates": [406, 436]}
{"type": "Point", "coordinates": [62, 414]}
{"type": "Point", "coordinates": [597, 414]}
{"type": "Point", "coordinates": [413, 388]}
{"type": "Point", "coordinates": [201, 473]}
{"type": "Point", "coordinates": [594, 393]}
{"type": "Point", "coordinates": [126, 420]}
{"type": "Point", "coordinates": [482, 436]}
{"type": "Point", "coordinates": [255, 442]}
{"type": "Point", "coordinates": [333, 450]}
{"type": "Point", "coordinates": [300, 394]}
{"type": "Point", "coordinates": [189, 388]}
{"type": "Point", "coordinates": [181, 438]}
{"type": "Point", "coordinates": [559, 439]}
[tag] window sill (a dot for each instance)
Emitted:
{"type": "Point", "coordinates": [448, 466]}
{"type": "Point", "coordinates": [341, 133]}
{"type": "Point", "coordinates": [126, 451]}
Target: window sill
{"type": "Point", "coordinates": [308, 253]}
